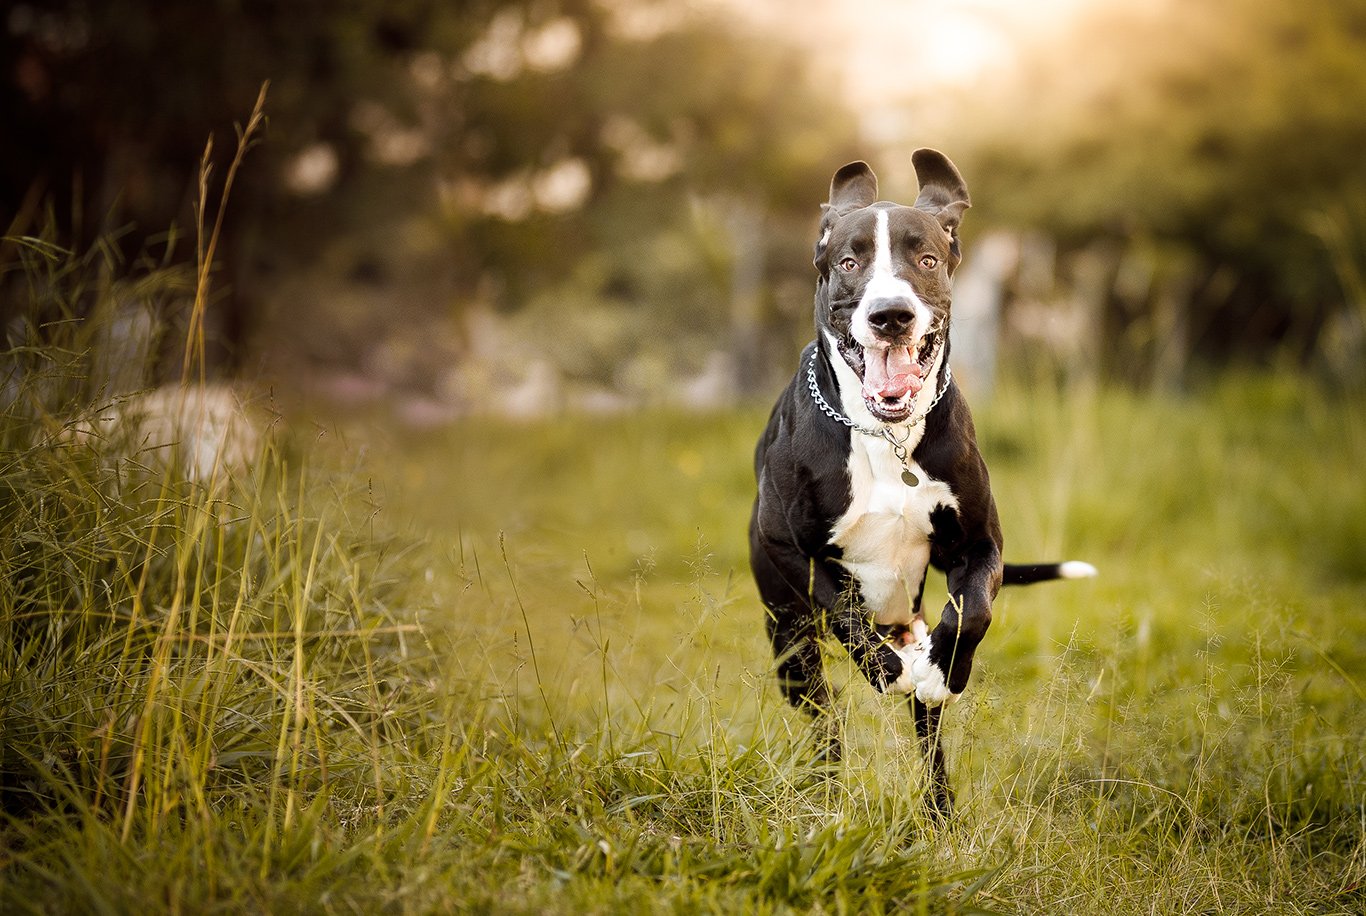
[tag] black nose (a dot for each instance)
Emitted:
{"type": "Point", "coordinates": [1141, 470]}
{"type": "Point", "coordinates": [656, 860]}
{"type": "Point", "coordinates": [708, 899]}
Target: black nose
{"type": "Point", "coordinates": [890, 317]}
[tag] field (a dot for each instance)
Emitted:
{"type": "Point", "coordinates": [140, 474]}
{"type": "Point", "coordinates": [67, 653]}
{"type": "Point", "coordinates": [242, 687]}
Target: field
{"type": "Point", "coordinates": [519, 667]}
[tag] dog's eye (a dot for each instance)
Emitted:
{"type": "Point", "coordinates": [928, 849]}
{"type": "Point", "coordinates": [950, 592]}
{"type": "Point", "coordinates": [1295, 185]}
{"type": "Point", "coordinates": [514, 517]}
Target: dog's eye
{"type": "Point", "coordinates": [848, 264]}
{"type": "Point", "coordinates": [929, 261]}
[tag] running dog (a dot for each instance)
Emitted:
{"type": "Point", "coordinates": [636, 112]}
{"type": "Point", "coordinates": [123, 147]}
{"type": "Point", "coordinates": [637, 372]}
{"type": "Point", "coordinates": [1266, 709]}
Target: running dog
{"type": "Point", "coordinates": [868, 471]}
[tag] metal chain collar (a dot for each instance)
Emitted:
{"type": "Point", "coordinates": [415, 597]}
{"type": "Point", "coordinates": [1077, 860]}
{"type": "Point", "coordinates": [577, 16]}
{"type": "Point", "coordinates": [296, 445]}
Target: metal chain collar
{"type": "Point", "coordinates": [898, 447]}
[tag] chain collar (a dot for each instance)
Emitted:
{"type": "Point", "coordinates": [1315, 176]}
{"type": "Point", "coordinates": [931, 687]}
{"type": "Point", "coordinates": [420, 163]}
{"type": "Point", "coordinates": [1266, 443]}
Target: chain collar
{"type": "Point", "coordinates": [885, 432]}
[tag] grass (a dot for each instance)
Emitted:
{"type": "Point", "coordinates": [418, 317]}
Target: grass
{"type": "Point", "coordinates": [1182, 735]}
{"type": "Point", "coordinates": [519, 667]}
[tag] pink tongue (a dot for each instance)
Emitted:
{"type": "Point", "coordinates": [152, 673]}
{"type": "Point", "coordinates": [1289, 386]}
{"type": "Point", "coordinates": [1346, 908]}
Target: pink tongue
{"type": "Point", "coordinates": [890, 373]}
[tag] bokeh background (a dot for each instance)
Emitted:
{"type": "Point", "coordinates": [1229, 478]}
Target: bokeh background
{"type": "Point", "coordinates": [430, 594]}
{"type": "Point", "coordinates": [526, 207]}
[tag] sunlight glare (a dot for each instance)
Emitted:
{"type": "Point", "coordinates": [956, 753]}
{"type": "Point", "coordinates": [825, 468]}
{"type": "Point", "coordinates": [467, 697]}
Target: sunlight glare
{"type": "Point", "coordinates": [886, 49]}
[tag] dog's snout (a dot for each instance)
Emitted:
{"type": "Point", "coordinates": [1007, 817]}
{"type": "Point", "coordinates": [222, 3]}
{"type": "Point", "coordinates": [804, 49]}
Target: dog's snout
{"type": "Point", "coordinates": [891, 317]}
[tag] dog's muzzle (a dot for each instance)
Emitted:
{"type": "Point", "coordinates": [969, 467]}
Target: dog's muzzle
{"type": "Point", "coordinates": [894, 374]}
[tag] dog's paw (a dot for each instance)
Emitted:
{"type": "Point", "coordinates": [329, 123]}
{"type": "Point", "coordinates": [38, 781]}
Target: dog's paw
{"type": "Point", "coordinates": [918, 673]}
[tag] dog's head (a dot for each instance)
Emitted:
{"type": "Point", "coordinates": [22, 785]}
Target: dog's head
{"type": "Point", "coordinates": [883, 293]}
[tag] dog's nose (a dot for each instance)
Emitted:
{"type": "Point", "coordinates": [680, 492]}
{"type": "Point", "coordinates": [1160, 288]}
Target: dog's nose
{"type": "Point", "coordinates": [891, 317]}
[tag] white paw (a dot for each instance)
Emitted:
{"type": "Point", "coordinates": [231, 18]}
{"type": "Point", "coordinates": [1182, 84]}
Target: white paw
{"type": "Point", "coordinates": [918, 673]}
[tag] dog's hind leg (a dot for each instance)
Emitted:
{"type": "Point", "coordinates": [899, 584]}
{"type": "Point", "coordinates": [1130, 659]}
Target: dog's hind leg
{"type": "Point", "coordinates": [801, 677]}
{"type": "Point", "coordinates": [938, 795]}
{"type": "Point", "coordinates": [794, 590]}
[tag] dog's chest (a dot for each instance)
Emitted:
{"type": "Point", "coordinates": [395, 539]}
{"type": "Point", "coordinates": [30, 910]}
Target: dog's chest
{"type": "Point", "coordinates": [884, 535]}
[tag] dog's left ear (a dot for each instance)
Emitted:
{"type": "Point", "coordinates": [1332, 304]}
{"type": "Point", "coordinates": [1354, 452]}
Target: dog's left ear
{"type": "Point", "coordinates": [943, 193]}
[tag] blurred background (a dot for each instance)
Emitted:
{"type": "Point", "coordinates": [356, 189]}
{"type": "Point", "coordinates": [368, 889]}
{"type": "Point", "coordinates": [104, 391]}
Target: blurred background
{"type": "Point", "coordinates": [525, 207]}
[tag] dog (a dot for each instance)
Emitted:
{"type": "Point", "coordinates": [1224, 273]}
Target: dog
{"type": "Point", "coordinates": [868, 470]}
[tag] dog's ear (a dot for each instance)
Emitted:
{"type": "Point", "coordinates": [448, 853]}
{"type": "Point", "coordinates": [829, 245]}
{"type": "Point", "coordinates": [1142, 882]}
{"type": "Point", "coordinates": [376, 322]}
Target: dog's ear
{"type": "Point", "coordinates": [853, 186]}
{"type": "Point", "coordinates": [943, 192]}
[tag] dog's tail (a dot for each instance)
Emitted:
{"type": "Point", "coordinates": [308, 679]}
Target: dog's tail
{"type": "Point", "coordinates": [1029, 573]}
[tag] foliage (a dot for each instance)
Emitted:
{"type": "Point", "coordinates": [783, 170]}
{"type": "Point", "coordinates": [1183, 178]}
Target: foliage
{"type": "Point", "coordinates": [428, 155]}
{"type": "Point", "coordinates": [425, 158]}
{"type": "Point", "coordinates": [1228, 130]}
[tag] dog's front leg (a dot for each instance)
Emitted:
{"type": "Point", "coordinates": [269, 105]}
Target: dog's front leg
{"type": "Point", "coordinates": [938, 795]}
{"type": "Point", "coordinates": [798, 589]}
{"type": "Point", "coordinates": [874, 654]}
{"type": "Point", "coordinates": [947, 660]}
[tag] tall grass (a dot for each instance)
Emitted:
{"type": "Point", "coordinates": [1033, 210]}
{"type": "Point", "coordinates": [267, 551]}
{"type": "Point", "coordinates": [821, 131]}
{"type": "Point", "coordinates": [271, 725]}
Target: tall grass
{"type": "Point", "coordinates": [551, 691]}
{"type": "Point", "coordinates": [210, 689]}
{"type": "Point", "coordinates": [519, 667]}
{"type": "Point", "coordinates": [1182, 735]}
{"type": "Point", "coordinates": [224, 686]}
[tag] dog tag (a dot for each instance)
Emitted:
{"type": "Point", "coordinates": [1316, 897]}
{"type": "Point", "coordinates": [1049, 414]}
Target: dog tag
{"type": "Point", "coordinates": [909, 479]}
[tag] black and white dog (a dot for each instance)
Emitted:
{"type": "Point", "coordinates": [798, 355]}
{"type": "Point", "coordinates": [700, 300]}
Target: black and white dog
{"type": "Point", "coordinates": [869, 470]}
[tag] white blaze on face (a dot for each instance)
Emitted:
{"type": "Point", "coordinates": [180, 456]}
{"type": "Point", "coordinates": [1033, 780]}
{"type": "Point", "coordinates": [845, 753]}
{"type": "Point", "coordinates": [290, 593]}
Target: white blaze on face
{"type": "Point", "coordinates": [885, 284]}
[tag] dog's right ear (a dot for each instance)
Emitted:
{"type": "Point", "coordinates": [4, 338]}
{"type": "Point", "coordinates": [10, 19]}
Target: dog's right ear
{"type": "Point", "coordinates": [854, 186]}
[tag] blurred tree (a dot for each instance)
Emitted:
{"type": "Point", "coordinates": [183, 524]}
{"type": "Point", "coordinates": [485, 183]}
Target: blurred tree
{"type": "Point", "coordinates": [111, 105]}
{"type": "Point", "coordinates": [1222, 130]}
{"type": "Point", "coordinates": [491, 150]}
{"type": "Point", "coordinates": [698, 163]}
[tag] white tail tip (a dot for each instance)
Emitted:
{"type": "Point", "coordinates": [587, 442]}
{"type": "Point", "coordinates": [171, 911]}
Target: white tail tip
{"type": "Point", "coordinates": [1076, 569]}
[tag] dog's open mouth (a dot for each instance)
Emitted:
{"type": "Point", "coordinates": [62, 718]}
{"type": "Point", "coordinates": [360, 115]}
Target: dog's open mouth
{"type": "Point", "coordinates": [892, 375]}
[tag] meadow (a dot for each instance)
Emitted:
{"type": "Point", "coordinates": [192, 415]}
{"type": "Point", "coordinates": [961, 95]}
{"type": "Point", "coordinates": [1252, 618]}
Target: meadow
{"type": "Point", "coordinates": [520, 667]}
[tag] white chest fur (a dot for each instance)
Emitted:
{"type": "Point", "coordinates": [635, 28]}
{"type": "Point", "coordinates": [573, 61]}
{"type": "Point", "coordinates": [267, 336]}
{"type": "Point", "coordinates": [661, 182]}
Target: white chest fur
{"type": "Point", "coordinates": [884, 535]}
{"type": "Point", "coordinates": [885, 532]}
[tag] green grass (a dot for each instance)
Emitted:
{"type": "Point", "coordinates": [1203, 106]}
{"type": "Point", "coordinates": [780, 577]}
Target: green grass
{"type": "Point", "coordinates": [1180, 735]}
{"type": "Point", "coordinates": [520, 668]}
